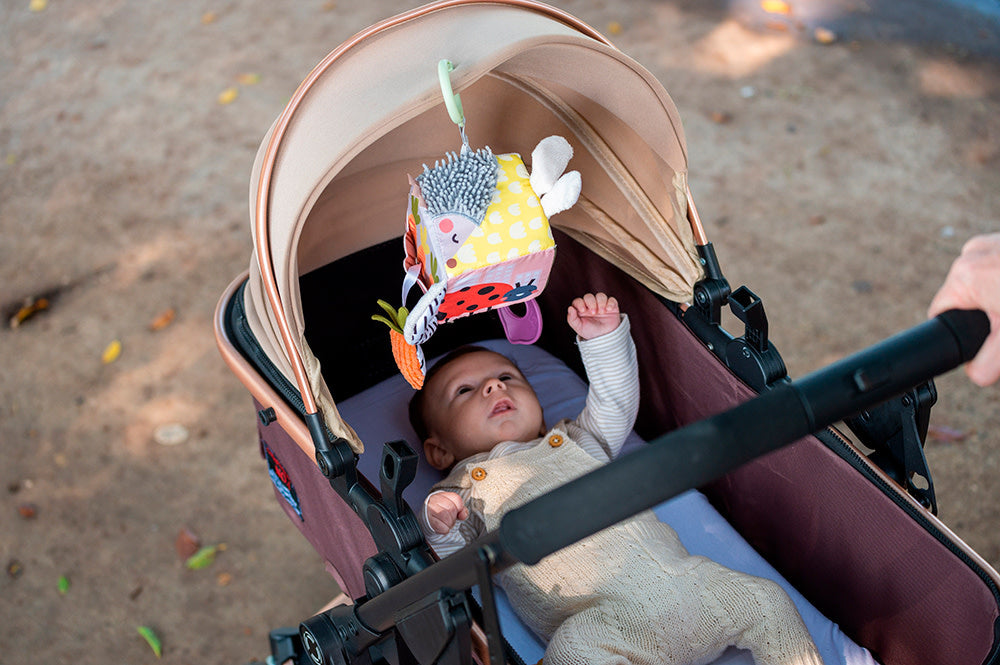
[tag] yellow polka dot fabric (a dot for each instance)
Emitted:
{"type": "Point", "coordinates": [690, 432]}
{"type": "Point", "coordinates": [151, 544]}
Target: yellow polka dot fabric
{"type": "Point", "coordinates": [514, 225]}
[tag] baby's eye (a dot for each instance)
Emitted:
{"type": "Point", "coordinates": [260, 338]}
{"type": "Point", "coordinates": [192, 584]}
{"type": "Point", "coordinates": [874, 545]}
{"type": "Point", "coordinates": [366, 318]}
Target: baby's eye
{"type": "Point", "coordinates": [506, 377]}
{"type": "Point", "coordinates": [462, 390]}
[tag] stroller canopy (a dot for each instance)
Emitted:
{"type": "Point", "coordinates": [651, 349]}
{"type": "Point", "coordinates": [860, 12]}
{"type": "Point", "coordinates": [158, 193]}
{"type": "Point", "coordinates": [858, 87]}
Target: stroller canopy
{"type": "Point", "coordinates": [330, 177]}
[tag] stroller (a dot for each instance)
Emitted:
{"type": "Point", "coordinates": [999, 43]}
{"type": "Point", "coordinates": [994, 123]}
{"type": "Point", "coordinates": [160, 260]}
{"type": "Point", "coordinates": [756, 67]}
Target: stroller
{"type": "Point", "coordinates": [854, 535]}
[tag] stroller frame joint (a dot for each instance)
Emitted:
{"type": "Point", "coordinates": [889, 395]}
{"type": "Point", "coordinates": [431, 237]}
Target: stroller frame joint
{"type": "Point", "coordinates": [896, 431]}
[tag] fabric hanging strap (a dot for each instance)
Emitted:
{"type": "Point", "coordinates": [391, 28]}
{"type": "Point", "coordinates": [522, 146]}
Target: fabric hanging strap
{"type": "Point", "coordinates": [412, 275]}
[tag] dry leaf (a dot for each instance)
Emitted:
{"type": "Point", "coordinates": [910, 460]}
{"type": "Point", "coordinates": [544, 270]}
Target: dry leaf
{"type": "Point", "coordinates": [615, 28]}
{"type": "Point", "coordinates": [111, 352]}
{"type": "Point", "coordinates": [228, 96]}
{"type": "Point", "coordinates": [947, 434]}
{"type": "Point", "coordinates": [151, 639]}
{"type": "Point", "coordinates": [824, 36]}
{"type": "Point", "coordinates": [30, 307]}
{"type": "Point", "coordinates": [776, 7]}
{"type": "Point", "coordinates": [163, 320]}
{"type": "Point", "coordinates": [248, 78]}
{"type": "Point", "coordinates": [208, 17]}
{"type": "Point", "coordinates": [721, 117]}
{"type": "Point", "coordinates": [224, 579]}
{"type": "Point", "coordinates": [187, 543]}
{"type": "Point", "coordinates": [28, 511]}
{"type": "Point", "coordinates": [38, 5]}
{"type": "Point", "coordinates": [204, 557]}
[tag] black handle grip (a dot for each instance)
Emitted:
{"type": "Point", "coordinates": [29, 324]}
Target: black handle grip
{"type": "Point", "coordinates": [970, 327]}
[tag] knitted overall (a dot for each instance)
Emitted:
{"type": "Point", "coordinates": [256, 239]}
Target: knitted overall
{"type": "Point", "coordinates": [631, 593]}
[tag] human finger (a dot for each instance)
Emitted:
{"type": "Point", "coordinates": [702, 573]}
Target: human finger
{"type": "Point", "coordinates": [459, 506]}
{"type": "Point", "coordinates": [955, 292]}
{"type": "Point", "coordinates": [984, 369]}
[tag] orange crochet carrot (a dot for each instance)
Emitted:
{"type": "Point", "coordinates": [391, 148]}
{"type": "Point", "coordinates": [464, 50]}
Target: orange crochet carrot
{"type": "Point", "coordinates": [405, 354]}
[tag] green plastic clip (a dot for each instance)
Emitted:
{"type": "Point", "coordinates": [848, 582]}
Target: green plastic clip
{"type": "Point", "coordinates": [451, 100]}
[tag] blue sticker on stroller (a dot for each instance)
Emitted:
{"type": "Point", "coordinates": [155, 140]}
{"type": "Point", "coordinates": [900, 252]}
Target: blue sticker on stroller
{"type": "Point", "coordinates": [281, 480]}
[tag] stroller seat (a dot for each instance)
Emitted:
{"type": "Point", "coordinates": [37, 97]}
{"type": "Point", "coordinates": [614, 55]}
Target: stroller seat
{"type": "Point", "coordinates": [380, 414]}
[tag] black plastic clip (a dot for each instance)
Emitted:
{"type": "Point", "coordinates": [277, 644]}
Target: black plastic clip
{"type": "Point", "coordinates": [437, 630]}
{"type": "Point", "coordinates": [895, 431]}
{"type": "Point", "coordinates": [399, 468]}
{"type": "Point", "coordinates": [711, 293]}
{"type": "Point", "coordinates": [752, 356]}
{"type": "Point", "coordinates": [393, 525]}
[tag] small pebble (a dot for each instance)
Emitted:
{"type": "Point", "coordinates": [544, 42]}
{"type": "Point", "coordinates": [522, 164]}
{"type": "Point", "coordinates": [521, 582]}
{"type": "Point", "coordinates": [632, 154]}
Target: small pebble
{"type": "Point", "coordinates": [171, 435]}
{"type": "Point", "coordinates": [948, 232]}
{"type": "Point", "coordinates": [748, 91]}
{"type": "Point", "coordinates": [861, 286]}
{"type": "Point", "coordinates": [14, 569]}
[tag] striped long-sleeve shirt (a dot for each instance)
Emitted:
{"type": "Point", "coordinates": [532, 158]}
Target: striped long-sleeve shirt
{"type": "Point", "coordinates": [600, 429]}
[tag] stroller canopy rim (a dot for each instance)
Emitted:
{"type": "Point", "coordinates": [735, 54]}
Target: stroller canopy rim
{"type": "Point", "coordinates": [273, 274]}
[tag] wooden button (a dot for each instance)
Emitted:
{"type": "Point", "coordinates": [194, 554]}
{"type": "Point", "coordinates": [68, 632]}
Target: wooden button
{"type": "Point", "coordinates": [555, 440]}
{"type": "Point", "coordinates": [478, 473]}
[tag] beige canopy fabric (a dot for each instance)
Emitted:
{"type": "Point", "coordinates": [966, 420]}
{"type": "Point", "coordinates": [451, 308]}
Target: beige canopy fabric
{"type": "Point", "coordinates": [330, 177]}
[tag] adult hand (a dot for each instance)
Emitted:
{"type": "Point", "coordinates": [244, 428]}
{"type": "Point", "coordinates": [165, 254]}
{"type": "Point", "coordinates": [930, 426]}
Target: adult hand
{"type": "Point", "coordinates": [974, 283]}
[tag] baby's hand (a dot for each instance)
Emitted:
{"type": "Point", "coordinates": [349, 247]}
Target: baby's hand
{"type": "Point", "coordinates": [444, 509]}
{"type": "Point", "coordinates": [593, 315]}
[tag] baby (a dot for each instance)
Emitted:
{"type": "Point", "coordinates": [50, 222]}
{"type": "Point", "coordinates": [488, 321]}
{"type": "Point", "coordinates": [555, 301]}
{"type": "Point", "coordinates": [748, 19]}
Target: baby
{"type": "Point", "coordinates": [628, 594]}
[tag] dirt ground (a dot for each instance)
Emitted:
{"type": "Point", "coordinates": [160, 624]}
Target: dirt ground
{"type": "Point", "coordinates": [837, 180]}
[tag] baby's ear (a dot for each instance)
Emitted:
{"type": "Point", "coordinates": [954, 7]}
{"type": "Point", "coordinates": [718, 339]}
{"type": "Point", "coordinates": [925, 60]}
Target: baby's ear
{"type": "Point", "coordinates": [438, 456]}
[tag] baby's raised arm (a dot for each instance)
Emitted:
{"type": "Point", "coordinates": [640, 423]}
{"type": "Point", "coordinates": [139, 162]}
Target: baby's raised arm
{"type": "Point", "coordinates": [609, 358]}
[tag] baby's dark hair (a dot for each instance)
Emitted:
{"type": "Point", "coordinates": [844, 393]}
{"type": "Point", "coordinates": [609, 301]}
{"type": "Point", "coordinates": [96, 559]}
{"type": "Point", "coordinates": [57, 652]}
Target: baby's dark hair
{"type": "Point", "coordinates": [417, 403]}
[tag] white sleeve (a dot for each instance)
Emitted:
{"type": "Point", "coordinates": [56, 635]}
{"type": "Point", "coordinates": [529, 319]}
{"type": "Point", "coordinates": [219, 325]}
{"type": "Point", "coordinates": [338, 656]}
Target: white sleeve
{"type": "Point", "coordinates": [613, 396]}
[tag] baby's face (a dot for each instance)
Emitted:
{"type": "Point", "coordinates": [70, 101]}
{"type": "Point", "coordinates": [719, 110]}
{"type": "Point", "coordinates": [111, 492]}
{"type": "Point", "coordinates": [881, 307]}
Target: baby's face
{"type": "Point", "coordinates": [475, 402]}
